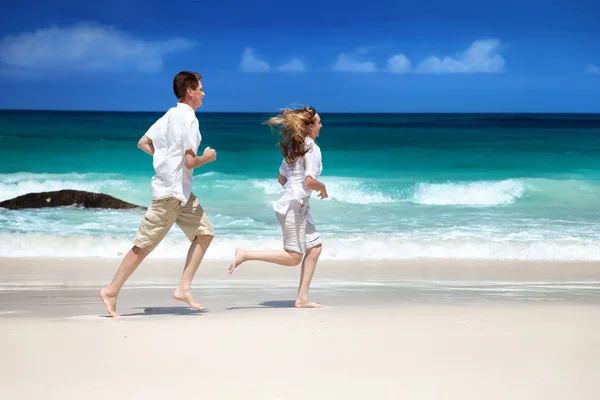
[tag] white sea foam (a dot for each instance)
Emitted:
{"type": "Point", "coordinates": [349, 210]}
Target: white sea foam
{"type": "Point", "coordinates": [344, 190]}
{"type": "Point", "coordinates": [356, 248]}
{"type": "Point", "coordinates": [214, 186]}
{"type": "Point", "coordinates": [392, 229]}
{"type": "Point", "coordinates": [480, 193]}
{"type": "Point", "coordinates": [356, 192]}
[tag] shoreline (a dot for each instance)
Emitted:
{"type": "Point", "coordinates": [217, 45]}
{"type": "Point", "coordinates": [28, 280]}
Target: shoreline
{"type": "Point", "coordinates": [420, 330]}
{"type": "Point", "coordinates": [516, 268]}
{"type": "Point", "coordinates": [371, 249]}
{"type": "Point", "coordinates": [70, 287]}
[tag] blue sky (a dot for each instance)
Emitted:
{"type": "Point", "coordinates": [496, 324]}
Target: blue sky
{"type": "Point", "coordinates": [340, 56]}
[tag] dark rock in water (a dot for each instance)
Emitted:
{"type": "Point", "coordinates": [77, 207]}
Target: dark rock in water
{"type": "Point", "coordinates": [63, 198]}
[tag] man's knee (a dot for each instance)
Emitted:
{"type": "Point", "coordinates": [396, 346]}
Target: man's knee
{"type": "Point", "coordinates": [204, 239]}
{"type": "Point", "coordinates": [141, 252]}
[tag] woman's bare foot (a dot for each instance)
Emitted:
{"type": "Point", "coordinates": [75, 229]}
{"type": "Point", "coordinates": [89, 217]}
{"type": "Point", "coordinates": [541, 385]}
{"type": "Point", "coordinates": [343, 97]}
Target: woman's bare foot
{"type": "Point", "coordinates": [186, 297]}
{"type": "Point", "coordinates": [237, 260]}
{"type": "Point", "coordinates": [307, 304]}
{"type": "Point", "coordinates": [110, 303]}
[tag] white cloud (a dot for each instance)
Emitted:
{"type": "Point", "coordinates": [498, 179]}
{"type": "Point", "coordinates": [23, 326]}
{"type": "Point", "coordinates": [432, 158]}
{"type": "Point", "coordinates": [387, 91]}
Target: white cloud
{"type": "Point", "coordinates": [251, 63]}
{"type": "Point", "coordinates": [345, 63]}
{"type": "Point", "coordinates": [87, 46]}
{"type": "Point", "coordinates": [592, 70]}
{"type": "Point", "coordinates": [480, 57]}
{"type": "Point", "coordinates": [295, 65]}
{"type": "Point", "coordinates": [398, 64]}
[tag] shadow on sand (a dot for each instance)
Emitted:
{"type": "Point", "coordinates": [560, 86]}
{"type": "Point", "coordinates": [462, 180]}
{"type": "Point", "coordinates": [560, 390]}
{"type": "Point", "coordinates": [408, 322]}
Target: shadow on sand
{"type": "Point", "coordinates": [165, 311]}
{"type": "Point", "coordinates": [269, 304]}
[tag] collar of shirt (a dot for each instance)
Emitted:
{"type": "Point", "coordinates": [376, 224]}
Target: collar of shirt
{"type": "Point", "coordinates": [183, 105]}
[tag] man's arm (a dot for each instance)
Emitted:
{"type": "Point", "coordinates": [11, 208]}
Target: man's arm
{"type": "Point", "coordinates": [145, 144]}
{"type": "Point", "coordinates": [191, 160]}
{"type": "Point", "coordinates": [158, 128]}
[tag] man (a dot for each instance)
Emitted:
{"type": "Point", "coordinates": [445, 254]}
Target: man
{"type": "Point", "coordinates": [173, 141]}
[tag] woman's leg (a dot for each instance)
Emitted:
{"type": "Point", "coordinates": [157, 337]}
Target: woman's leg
{"type": "Point", "coordinates": [282, 257]}
{"type": "Point", "coordinates": [309, 264]}
{"type": "Point", "coordinates": [293, 226]}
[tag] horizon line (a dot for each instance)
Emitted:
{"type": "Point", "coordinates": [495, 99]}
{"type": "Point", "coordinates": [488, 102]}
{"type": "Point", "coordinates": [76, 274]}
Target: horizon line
{"type": "Point", "coordinates": [321, 112]}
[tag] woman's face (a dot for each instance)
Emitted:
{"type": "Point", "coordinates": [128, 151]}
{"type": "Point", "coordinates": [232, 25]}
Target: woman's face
{"type": "Point", "coordinates": [315, 127]}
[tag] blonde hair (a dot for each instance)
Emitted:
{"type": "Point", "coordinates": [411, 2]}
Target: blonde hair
{"type": "Point", "coordinates": [293, 128]}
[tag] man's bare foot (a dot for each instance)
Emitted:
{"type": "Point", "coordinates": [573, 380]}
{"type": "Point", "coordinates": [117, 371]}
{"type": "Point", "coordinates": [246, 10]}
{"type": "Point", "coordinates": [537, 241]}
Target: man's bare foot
{"type": "Point", "coordinates": [237, 260]}
{"type": "Point", "coordinates": [187, 297]}
{"type": "Point", "coordinates": [110, 303]}
{"type": "Point", "coordinates": [307, 304]}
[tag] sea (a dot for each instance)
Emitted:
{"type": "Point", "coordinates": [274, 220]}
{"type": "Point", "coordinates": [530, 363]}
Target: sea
{"type": "Point", "coordinates": [401, 186]}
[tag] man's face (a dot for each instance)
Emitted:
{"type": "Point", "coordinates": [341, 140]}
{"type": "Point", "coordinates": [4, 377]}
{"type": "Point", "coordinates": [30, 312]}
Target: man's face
{"type": "Point", "coordinates": [197, 95]}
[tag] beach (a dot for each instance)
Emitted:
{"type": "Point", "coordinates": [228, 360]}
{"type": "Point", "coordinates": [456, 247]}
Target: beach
{"type": "Point", "coordinates": [418, 329]}
{"type": "Point", "coordinates": [460, 261]}
{"type": "Point", "coordinates": [435, 166]}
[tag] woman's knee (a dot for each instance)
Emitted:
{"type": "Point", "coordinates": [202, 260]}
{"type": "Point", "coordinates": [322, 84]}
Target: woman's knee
{"type": "Point", "coordinates": [295, 258]}
{"type": "Point", "coordinates": [315, 251]}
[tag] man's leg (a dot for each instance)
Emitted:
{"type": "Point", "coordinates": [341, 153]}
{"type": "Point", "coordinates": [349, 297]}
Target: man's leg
{"type": "Point", "coordinates": [194, 258]}
{"type": "Point", "coordinates": [195, 224]}
{"type": "Point", "coordinates": [154, 227]}
{"type": "Point", "coordinates": [131, 261]}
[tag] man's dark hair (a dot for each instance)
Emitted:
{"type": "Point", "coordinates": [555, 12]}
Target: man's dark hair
{"type": "Point", "coordinates": [183, 81]}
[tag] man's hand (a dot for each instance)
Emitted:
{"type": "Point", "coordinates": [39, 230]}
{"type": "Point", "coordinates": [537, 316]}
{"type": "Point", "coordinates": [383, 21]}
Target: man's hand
{"type": "Point", "coordinates": [192, 161]}
{"type": "Point", "coordinates": [210, 154]}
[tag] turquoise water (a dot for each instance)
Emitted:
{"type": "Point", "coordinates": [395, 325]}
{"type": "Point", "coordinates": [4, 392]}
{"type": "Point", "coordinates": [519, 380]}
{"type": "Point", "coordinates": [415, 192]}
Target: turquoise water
{"type": "Point", "coordinates": [402, 185]}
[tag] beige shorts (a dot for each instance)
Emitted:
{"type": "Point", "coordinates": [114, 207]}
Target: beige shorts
{"type": "Point", "coordinates": [299, 233]}
{"type": "Point", "coordinates": [161, 216]}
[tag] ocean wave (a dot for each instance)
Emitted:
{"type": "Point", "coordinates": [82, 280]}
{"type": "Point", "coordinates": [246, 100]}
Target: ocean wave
{"type": "Point", "coordinates": [224, 188]}
{"type": "Point", "coordinates": [357, 248]}
{"type": "Point", "coordinates": [14, 185]}
{"type": "Point", "coordinates": [356, 192]}
{"type": "Point", "coordinates": [528, 191]}
{"type": "Point", "coordinates": [480, 193]}
{"type": "Point", "coordinates": [343, 190]}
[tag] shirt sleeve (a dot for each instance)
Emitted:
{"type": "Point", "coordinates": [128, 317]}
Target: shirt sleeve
{"type": "Point", "coordinates": [284, 169]}
{"type": "Point", "coordinates": [160, 126]}
{"type": "Point", "coordinates": [190, 137]}
{"type": "Point", "coordinates": [313, 162]}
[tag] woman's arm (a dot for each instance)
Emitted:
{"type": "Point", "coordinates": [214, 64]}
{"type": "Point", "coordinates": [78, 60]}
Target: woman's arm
{"type": "Point", "coordinates": [313, 169]}
{"type": "Point", "coordinates": [282, 180]}
{"type": "Point", "coordinates": [313, 184]}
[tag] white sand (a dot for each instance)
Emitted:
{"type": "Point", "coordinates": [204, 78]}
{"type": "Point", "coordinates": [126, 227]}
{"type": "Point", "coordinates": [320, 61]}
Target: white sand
{"type": "Point", "coordinates": [410, 330]}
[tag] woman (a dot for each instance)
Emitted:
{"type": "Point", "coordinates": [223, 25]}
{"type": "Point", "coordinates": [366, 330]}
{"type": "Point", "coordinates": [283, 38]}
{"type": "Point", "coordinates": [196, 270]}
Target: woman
{"type": "Point", "coordinates": [299, 175]}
